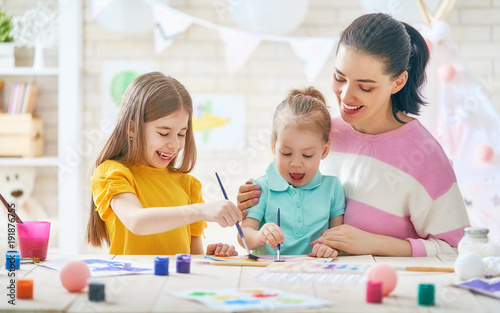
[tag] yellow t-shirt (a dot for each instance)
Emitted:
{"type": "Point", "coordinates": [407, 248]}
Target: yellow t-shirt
{"type": "Point", "coordinates": [153, 187]}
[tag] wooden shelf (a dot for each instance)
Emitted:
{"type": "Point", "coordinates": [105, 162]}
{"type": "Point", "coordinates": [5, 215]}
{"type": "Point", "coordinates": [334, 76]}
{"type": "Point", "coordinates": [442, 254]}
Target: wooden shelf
{"type": "Point", "coordinates": [40, 161]}
{"type": "Point", "coordinates": [21, 71]}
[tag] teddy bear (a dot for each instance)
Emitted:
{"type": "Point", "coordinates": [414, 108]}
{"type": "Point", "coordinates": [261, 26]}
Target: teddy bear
{"type": "Point", "coordinates": [16, 186]}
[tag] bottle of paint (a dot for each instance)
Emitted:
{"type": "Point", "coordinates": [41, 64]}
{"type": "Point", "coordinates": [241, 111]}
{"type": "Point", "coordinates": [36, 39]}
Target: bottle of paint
{"type": "Point", "coordinates": [96, 291]}
{"type": "Point", "coordinates": [161, 266]}
{"type": "Point", "coordinates": [12, 260]}
{"type": "Point", "coordinates": [183, 263]}
{"type": "Point", "coordinates": [374, 291]}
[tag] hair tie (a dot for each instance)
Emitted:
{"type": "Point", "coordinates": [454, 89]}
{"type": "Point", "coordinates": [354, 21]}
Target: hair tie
{"type": "Point", "coordinates": [308, 96]}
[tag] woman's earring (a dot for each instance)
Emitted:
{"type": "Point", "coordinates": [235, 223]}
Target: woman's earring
{"type": "Point", "coordinates": [131, 138]}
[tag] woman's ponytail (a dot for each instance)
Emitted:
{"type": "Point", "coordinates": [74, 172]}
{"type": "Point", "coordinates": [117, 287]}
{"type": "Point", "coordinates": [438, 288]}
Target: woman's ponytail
{"type": "Point", "coordinates": [410, 98]}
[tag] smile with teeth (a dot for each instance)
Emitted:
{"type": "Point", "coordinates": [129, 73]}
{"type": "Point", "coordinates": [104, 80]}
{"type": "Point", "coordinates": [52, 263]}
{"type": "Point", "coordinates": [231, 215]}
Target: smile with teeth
{"type": "Point", "coordinates": [349, 107]}
{"type": "Point", "coordinates": [165, 156]}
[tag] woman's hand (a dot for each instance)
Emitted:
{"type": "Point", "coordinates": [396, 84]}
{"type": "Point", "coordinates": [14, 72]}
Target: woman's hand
{"type": "Point", "coordinates": [248, 195]}
{"type": "Point", "coordinates": [221, 249]}
{"type": "Point", "coordinates": [349, 239]}
{"type": "Point", "coordinates": [356, 241]}
{"type": "Point", "coordinates": [323, 251]}
{"type": "Point", "coordinates": [270, 234]}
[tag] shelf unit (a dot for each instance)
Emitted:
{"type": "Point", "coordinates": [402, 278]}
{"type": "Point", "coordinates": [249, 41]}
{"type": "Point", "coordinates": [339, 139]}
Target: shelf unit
{"type": "Point", "coordinates": [29, 71]}
{"type": "Point", "coordinates": [40, 161]}
{"type": "Point", "coordinates": [69, 129]}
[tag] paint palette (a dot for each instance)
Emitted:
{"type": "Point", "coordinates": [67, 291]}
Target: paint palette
{"type": "Point", "coordinates": [314, 272]}
{"type": "Point", "coordinates": [250, 299]}
{"type": "Point", "coordinates": [318, 267]}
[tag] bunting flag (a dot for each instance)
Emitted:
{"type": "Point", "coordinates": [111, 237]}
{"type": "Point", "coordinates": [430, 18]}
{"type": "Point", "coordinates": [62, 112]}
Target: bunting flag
{"type": "Point", "coordinates": [168, 23]}
{"type": "Point", "coordinates": [238, 44]}
{"type": "Point", "coordinates": [238, 47]}
{"type": "Point", "coordinates": [313, 53]}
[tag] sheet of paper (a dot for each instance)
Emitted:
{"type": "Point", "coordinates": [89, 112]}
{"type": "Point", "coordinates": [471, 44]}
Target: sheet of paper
{"type": "Point", "coordinates": [250, 299]}
{"type": "Point", "coordinates": [489, 287]}
{"type": "Point", "coordinates": [267, 258]}
{"type": "Point", "coordinates": [103, 267]}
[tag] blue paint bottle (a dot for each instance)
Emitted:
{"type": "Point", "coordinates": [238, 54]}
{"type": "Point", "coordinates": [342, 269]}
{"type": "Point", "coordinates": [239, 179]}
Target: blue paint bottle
{"type": "Point", "coordinates": [161, 266]}
{"type": "Point", "coordinates": [12, 260]}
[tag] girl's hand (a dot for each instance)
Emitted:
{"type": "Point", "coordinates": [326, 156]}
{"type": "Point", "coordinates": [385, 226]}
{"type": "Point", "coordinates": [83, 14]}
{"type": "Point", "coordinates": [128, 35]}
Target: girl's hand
{"type": "Point", "coordinates": [223, 212]}
{"type": "Point", "coordinates": [323, 251]}
{"type": "Point", "coordinates": [248, 195]}
{"type": "Point", "coordinates": [221, 249]}
{"type": "Point", "coordinates": [349, 239]}
{"type": "Point", "coordinates": [270, 234]}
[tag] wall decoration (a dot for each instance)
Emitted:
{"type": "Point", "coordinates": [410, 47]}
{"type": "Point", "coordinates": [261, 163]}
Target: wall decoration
{"type": "Point", "coordinates": [277, 17]}
{"type": "Point", "coordinates": [218, 121]}
{"type": "Point", "coordinates": [238, 44]}
{"type": "Point", "coordinates": [37, 28]}
{"type": "Point", "coordinates": [116, 76]}
{"type": "Point", "coordinates": [463, 119]}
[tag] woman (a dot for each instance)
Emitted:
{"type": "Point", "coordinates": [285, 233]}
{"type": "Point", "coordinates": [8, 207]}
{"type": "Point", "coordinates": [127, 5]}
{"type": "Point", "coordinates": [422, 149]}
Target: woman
{"type": "Point", "coordinates": [402, 196]}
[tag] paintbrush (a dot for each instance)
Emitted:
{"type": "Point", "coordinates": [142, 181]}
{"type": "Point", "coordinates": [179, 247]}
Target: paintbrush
{"type": "Point", "coordinates": [240, 231]}
{"type": "Point", "coordinates": [278, 249]}
{"type": "Point", "coordinates": [425, 269]}
{"type": "Point", "coordinates": [10, 209]}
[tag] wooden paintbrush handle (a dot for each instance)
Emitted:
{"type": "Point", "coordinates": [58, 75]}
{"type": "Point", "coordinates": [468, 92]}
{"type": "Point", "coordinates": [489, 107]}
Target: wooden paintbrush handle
{"type": "Point", "coordinates": [429, 269]}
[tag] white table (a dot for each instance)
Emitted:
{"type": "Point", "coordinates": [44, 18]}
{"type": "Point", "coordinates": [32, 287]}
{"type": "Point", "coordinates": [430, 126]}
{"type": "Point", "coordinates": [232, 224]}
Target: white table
{"type": "Point", "coordinates": [150, 293]}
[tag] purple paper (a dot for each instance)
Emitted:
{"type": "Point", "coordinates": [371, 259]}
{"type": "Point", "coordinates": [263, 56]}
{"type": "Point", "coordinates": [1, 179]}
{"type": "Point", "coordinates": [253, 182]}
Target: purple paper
{"type": "Point", "coordinates": [489, 287]}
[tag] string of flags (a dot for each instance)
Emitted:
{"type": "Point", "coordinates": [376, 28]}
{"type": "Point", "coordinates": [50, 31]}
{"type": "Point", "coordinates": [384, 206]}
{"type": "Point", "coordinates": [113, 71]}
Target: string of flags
{"type": "Point", "coordinates": [239, 45]}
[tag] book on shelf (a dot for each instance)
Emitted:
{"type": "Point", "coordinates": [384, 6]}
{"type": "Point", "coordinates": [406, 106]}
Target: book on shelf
{"type": "Point", "coordinates": [22, 98]}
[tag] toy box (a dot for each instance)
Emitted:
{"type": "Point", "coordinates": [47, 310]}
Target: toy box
{"type": "Point", "coordinates": [21, 135]}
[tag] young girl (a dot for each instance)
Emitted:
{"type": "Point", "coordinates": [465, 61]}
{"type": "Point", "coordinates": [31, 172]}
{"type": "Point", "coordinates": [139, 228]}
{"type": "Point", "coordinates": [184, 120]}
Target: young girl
{"type": "Point", "coordinates": [309, 202]}
{"type": "Point", "coordinates": [143, 200]}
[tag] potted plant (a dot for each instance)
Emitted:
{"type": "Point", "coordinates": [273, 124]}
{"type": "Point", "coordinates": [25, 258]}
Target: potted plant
{"type": "Point", "coordinates": [6, 40]}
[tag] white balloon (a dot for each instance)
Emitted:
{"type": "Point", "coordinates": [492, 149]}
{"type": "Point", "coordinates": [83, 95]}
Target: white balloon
{"type": "Point", "coordinates": [469, 265]}
{"type": "Point", "coordinates": [275, 17]}
{"type": "Point", "coordinates": [403, 10]}
{"type": "Point", "coordinates": [492, 265]}
{"type": "Point", "coordinates": [126, 16]}
{"type": "Point", "coordinates": [440, 31]}
{"type": "Point", "coordinates": [490, 249]}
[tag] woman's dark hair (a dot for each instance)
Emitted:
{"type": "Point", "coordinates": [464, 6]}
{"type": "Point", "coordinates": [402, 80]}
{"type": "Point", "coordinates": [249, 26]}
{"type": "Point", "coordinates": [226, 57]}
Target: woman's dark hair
{"type": "Point", "coordinates": [400, 47]}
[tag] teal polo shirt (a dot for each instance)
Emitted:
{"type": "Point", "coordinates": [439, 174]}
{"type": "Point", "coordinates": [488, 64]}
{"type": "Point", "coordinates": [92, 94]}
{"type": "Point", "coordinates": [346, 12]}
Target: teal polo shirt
{"type": "Point", "coordinates": [304, 211]}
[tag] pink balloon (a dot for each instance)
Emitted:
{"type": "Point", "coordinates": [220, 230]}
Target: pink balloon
{"type": "Point", "coordinates": [386, 274]}
{"type": "Point", "coordinates": [74, 275]}
{"type": "Point", "coordinates": [430, 45]}
{"type": "Point", "coordinates": [484, 152]}
{"type": "Point", "coordinates": [446, 72]}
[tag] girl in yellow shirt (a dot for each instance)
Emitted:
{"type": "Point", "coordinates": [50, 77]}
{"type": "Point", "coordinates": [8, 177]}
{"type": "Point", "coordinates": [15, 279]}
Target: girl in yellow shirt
{"type": "Point", "coordinates": [143, 199]}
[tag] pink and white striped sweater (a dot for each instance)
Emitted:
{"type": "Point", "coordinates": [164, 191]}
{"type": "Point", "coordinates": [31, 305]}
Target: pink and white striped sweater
{"type": "Point", "coordinates": [399, 184]}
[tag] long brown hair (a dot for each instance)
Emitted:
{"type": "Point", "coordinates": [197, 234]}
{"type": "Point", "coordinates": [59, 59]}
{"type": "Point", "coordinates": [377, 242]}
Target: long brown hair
{"type": "Point", "coordinates": [302, 108]}
{"type": "Point", "coordinates": [148, 97]}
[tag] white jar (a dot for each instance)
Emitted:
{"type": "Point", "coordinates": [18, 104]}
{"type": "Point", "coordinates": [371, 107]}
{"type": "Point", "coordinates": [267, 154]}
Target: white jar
{"type": "Point", "coordinates": [473, 240]}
